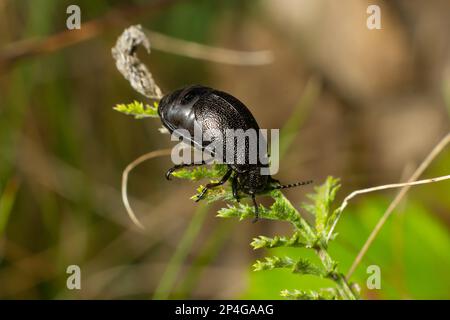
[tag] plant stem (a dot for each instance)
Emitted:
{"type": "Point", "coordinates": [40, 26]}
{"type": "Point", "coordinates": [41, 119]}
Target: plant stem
{"type": "Point", "coordinates": [329, 264]}
{"type": "Point", "coordinates": [321, 249]}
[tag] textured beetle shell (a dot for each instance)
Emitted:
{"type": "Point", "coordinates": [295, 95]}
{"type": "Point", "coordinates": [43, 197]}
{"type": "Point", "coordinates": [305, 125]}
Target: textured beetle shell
{"type": "Point", "coordinates": [209, 109]}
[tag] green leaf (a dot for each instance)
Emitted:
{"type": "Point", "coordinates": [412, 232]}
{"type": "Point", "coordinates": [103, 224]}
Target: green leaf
{"type": "Point", "coordinates": [321, 204]}
{"type": "Point", "coordinates": [273, 263]}
{"type": "Point", "coordinates": [243, 211]}
{"type": "Point", "coordinates": [215, 172]}
{"type": "Point", "coordinates": [323, 294]}
{"type": "Point", "coordinates": [281, 210]}
{"type": "Point", "coordinates": [304, 266]}
{"type": "Point", "coordinates": [138, 110]}
{"type": "Point", "coordinates": [297, 240]}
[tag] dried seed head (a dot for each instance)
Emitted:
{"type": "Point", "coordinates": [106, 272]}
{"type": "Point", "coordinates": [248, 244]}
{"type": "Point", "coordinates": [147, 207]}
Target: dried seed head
{"type": "Point", "coordinates": [127, 62]}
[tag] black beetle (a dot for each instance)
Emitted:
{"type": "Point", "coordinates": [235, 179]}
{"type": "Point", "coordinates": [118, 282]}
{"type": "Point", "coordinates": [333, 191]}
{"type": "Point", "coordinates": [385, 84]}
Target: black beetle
{"type": "Point", "coordinates": [208, 108]}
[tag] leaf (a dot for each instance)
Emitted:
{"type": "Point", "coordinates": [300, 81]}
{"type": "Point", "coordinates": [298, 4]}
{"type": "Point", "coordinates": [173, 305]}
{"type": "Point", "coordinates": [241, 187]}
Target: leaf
{"type": "Point", "coordinates": [321, 204]}
{"type": "Point", "coordinates": [268, 285]}
{"type": "Point", "coordinates": [138, 110]}
{"type": "Point", "coordinates": [273, 263]}
{"type": "Point", "coordinates": [297, 240]}
{"type": "Point", "coordinates": [323, 294]}
{"type": "Point", "coordinates": [284, 209]}
{"type": "Point", "coordinates": [215, 172]}
{"type": "Point", "coordinates": [304, 266]}
{"type": "Point", "coordinates": [214, 194]}
{"type": "Point", "coordinates": [281, 210]}
{"type": "Point", "coordinates": [304, 236]}
{"type": "Point", "coordinates": [243, 211]}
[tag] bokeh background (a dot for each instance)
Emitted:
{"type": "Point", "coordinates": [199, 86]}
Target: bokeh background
{"type": "Point", "coordinates": [365, 106]}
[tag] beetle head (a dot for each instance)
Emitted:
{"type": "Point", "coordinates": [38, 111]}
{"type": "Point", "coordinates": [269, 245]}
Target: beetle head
{"type": "Point", "coordinates": [185, 96]}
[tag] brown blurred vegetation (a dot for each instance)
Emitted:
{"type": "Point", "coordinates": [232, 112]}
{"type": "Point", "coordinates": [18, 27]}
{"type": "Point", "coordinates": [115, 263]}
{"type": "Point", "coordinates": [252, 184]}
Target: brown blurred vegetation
{"type": "Point", "coordinates": [62, 148]}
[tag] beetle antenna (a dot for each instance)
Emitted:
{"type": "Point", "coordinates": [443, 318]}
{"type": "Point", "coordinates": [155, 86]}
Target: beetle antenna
{"type": "Point", "coordinates": [292, 185]}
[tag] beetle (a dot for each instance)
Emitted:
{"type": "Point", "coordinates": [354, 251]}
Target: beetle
{"type": "Point", "coordinates": [203, 108]}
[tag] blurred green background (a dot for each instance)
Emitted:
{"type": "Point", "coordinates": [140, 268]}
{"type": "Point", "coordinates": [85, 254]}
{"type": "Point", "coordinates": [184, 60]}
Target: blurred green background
{"type": "Point", "coordinates": [384, 103]}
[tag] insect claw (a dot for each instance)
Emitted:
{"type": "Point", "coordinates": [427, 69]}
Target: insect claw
{"type": "Point", "coordinates": [201, 195]}
{"type": "Point", "coordinates": [169, 173]}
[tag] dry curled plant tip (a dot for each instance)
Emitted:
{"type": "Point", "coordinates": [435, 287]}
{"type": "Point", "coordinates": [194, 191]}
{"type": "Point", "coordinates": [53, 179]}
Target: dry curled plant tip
{"type": "Point", "coordinates": [128, 63]}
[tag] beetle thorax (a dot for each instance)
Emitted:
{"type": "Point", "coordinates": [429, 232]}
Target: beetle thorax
{"type": "Point", "coordinates": [252, 182]}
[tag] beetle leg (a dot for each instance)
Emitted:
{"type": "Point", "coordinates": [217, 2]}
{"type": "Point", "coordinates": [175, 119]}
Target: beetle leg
{"type": "Point", "coordinates": [212, 185]}
{"type": "Point", "coordinates": [179, 166]}
{"type": "Point", "coordinates": [234, 188]}
{"type": "Point", "coordinates": [256, 209]}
